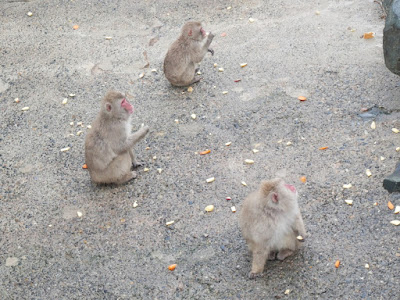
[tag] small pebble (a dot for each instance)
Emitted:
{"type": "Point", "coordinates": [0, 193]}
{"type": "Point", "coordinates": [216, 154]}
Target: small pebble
{"type": "Point", "coordinates": [12, 261]}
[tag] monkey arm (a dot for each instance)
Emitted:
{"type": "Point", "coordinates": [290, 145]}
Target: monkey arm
{"type": "Point", "coordinates": [128, 144]}
{"type": "Point", "coordinates": [298, 226]}
{"type": "Point", "coordinates": [198, 51]}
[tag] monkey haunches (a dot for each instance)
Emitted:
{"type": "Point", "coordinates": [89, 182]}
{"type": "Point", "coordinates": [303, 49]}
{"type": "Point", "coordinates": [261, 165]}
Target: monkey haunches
{"type": "Point", "coordinates": [185, 53]}
{"type": "Point", "coordinates": [270, 220]}
{"type": "Point", "coordinates": [109, 144]}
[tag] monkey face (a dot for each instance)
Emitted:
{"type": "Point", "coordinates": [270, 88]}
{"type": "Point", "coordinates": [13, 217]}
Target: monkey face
{"type": "Point", "coordinates": [127, 106]}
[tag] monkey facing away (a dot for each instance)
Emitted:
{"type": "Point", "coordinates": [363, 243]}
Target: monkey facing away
{"type": "Point", "coordinates": [270, 220]}
{"type": "Point", "coordinates": [109, 144]}
{"type": "Point", "coordinates": [185, 53]}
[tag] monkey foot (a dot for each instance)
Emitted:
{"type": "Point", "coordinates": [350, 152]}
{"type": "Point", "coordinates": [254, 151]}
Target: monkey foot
{"type": "Point", "coordinates": [284, 253]}
{"type": "Point", "coordinates": [131, 175]}
{"type": "Point", "coordinates": [195, 71]}
{"type": "Point", "coordinates": [196, 79]}
{"type": "Point", "coordinates": [211, 51]}
{"type": "Point", "coordinates": [272, 256]}
{"type": "Point", "coordinates": [137, 165]}
{"type": "Point", "coordinates": [253, 275]}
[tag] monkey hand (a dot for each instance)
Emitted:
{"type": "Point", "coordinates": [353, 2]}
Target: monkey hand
{"type": "Point", "coordinates": [211, 51]}
{"type": "Point", "coordinates": [255, 275]}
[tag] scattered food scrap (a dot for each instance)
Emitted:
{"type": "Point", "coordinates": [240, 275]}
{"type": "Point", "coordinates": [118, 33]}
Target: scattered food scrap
{"type": "Point", "coordinates": [75, 27]}
{"type": "Point", "coordinates": [390, 205]}
{"type": "Point", "coordinates": [172, 267]}
{"type": "Point", "coordinates": [337, 264]}
{"type": "Point", "coordinates": [209, 208]}
{"type": "Point", "coordinates": [368, 35]}
{"type": "Point", "coordinates": [205, 152]}
{"type": "Point", "coordinates": [209, 180]}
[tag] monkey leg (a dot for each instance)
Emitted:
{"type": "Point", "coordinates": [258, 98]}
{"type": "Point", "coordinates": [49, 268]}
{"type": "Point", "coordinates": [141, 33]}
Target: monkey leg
{"type": "Point", "coordinates": [135, 162]}
{"type": "Point", "coordinates": [282, 254]}
{"type": "Point", "coordinates": [196, 79]}
{"type": "Point", "coordinates": [128, 176]}
{"type": "Point", "coordinates": [260, 255]}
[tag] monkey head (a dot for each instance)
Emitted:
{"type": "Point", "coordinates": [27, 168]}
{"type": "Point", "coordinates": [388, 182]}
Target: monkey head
{"type": "Point", "coordinates": [115, 105]}
{"type": "Point", "coordinates": [194, 31]}
{"type": "Point", "coordinates": [278, 194]}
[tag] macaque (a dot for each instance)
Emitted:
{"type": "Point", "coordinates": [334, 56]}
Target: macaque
{"type": "Point", "coordinates": [185, 53]}
{"type": "Point", "coordinates": [271, 223]}
{"type": "Point", "coordinates": [109, 144]}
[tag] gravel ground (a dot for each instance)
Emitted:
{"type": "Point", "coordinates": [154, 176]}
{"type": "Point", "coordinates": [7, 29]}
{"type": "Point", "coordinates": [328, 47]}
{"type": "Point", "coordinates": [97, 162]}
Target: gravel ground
{"type": "Point", "coordinates": [118, 251]}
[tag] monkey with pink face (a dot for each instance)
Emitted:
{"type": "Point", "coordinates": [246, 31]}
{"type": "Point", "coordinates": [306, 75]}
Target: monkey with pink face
{"type": "Point", "coordinates": [271, 223]}
{"type": "Point", "coordinates": [185, 53]}
{"type": "Point", "coordinates": [109, 144]}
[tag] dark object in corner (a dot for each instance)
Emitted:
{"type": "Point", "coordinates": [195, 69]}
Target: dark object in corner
{"type": "Point", "coordinates": [392, 182]}
{"type": "Point", "coordinates": [391, 36]}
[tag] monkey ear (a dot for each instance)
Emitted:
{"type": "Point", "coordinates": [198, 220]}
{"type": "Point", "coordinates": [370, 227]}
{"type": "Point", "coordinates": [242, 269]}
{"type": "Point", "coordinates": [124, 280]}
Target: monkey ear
{"type": "Point", "coordinates": [190, 32]}
{"type": "Point", "coordinates": [275, 197]}
{"type": "Point", "coordinates": [108, 107]}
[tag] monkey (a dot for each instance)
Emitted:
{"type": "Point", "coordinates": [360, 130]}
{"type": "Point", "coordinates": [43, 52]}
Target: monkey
{"type": "Point", "coordinates": [270, 221]}
{"type": "Point", "coordinates": [185, 53]}
{"type": "Point", "coordinates": [109, 143]}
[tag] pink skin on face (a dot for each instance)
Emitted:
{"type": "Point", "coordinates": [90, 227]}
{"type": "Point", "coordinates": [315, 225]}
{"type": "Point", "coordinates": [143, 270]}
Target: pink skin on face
{"type": "Point", "coordinates": [291, 187]}
{"type": "Point", "coordinates": [203, 32]}
{"type": "Point", "coordinates": [127, 106]}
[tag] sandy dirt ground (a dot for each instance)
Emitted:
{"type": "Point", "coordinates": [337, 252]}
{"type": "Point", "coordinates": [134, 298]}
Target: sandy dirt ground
{"type": "Point", "coordinates": [117, 251]}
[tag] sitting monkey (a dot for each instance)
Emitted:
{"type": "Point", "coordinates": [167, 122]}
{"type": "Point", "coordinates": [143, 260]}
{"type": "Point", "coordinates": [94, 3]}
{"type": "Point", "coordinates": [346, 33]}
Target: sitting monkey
{"type": "Point", "coordinates": [109, 144]}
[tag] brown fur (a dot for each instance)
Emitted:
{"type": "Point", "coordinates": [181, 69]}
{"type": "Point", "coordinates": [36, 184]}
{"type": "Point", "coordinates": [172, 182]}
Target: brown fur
{"type": "Point", "coordinates": [109, 144]}
{"type": "Point", "coordinates": [185, 53]}
{"type": "Point", "coordinates": [270, 228]}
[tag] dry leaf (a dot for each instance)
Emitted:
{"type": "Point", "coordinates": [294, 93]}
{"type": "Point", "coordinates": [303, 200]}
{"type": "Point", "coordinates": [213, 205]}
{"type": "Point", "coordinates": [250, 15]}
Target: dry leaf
{"type": "Point", "coordinates": [337, 264]}
{"type": "Point", "coordinates": [395, 222]}
{"type": "Point", "coordinates": [205, 152]}
{"type": "Point", "coordinates": [323, 148]}
{"type": "Point", "coordinates": [302, 98]}
{"type": "Point", "coordinates": [369, 35]}
{"type": "Point", "coordinates": [172, 267]}
{"type": "Point", "coordinates": [75, 27]}
{"type": "Point", "coordinates": [84, 166]}
{"type": "Point", "coordinates": [209, 208]}
{"type": "Point", "coordinates": [390, 205]}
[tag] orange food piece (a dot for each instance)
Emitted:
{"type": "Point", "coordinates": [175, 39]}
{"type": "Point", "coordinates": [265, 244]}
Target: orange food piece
{"type": "Point", "coordinates": [84, 166]}
{"type": "Point", "coordinates": [303, 179]}
{"type": "Point", "coordinates": [75, 27]}
{"type": "Point", "coordinates": [172, 267]}
{"type": "Point", "coordinates": [205, 152]}
{"type": "Point", "coordinates": [302, 98]}
{"type": "Point", "coordinates": [390, 205]}
{"type": "Point", "coordinates": [223, 34]}
{"type": "Point", "coordinates": [323, 148]}
{"type": "Point", "coordinates": [368, 35]}
{"type": "Point", "coordinates": [337, 264]}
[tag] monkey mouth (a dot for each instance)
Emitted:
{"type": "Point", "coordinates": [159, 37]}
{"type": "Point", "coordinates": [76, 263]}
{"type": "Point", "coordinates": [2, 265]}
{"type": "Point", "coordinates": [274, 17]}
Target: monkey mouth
{"type": "Point", "coordinates": [291, 187]}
